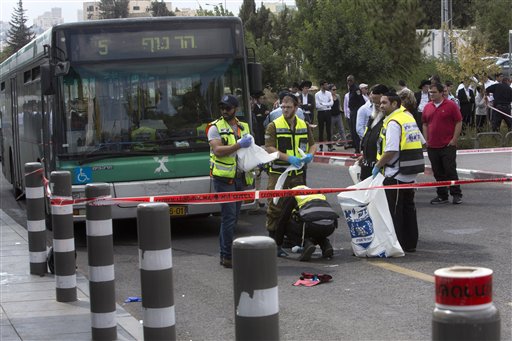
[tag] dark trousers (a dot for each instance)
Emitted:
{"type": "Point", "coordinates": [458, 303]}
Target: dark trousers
{"type": "Point", "coordinates": [444, 167]}
{"type": "Point", "coordinates": [229, 215]}
{"type": "Point", "coordinates": [403, 212]}
{"type": "Point", "coordinates": [497, 117]}
{"type": "Point", "coordinates": [324, 120]}
{"type": "Point", "coordinates": [480, 121]}
{"type": "Point", "coordinates": [356, 141]}
{"type": "Point", "coordinates": [308, 117]}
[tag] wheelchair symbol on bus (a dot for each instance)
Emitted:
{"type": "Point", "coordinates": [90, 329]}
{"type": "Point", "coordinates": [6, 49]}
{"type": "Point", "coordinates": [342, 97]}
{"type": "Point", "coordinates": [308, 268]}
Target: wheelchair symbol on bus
{"type": "Point", "coordinates": [83, 175]}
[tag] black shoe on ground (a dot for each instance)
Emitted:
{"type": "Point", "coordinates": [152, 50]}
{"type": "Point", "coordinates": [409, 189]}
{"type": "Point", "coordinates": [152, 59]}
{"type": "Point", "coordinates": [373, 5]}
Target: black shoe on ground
{"type": "Point", "coordinates": [327, 250]}
{"type": "Point", "coordinates": [332, 149]}
{"type": "Point", "coordinates": [309, 248]}
{"type": "Point", "coordinates": [410, 250]}
{"type": "Point", "coordinates": [457, 200]}
{"type": "Point", "coordinates": [439, 200]}
{"type": "Point", "coordinates": [226, 262]}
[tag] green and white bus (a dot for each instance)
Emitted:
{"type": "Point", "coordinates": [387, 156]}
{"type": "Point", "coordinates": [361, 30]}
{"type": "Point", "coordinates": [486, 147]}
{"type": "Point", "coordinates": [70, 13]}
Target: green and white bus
{"type": "Point", "coordinates": [124, 102]}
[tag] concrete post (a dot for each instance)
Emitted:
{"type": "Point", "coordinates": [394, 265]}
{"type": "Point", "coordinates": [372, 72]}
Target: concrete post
{"type": "Point", "coordinates": [464, 310]}
{"type": "Point", "coordinates": [155, 259]}
{"type": "Point", "coordinates": [63, 239]}
{"type": "Point", "coordinates": [100, 252]}
{"type": "Point", "coordinates": [255, 286]}
{"type": "Point", "coordinates": [36, 225]}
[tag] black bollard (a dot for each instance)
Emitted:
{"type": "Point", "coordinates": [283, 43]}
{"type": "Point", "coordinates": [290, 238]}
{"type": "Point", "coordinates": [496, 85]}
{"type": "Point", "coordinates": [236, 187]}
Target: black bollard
{"type": "Point", "coordinates": [100, 252]}
{"type": "Point", "coordinates": [36, 223]}
{"type": "Point", "coordinates": [464, 310]}
{"type": "Point", "coordinates": [63, 239]}
{"type": "Point", "coordinates": [155, 259]}
{"type": "Point", "coordinates": [255, 286]}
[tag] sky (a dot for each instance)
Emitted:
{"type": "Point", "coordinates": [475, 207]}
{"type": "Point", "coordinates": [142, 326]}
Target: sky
{"type": "Point", "coordinates": [35, 8]}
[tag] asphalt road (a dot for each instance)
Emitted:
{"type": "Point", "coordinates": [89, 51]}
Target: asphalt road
{"type": "Point", "coordinates": [368, 299]}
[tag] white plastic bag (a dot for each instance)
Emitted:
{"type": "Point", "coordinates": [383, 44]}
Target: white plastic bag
{"type": "Point", "coordinates": [249, 158]}
{"type": "Point", "coordinates": [369, 221]}
{"type": "Point", "coordinates": [355, 172]}
{"type": "Point", "coordinates": [284, 175]}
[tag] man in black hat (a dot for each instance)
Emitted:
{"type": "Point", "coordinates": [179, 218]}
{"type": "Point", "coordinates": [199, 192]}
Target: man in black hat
{"type": "Point", "coordinates": [259, 113]}
{"type": "Point", "coordinates": [422, 97]}
{"type": "Point", "coordinates": [307, 101]}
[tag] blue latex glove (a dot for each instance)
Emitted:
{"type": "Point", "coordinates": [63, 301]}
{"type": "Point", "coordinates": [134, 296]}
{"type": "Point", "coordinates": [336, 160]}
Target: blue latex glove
{"type": "Point", "coordinates": [375, 171]}
{"type": "Point", "coordinates": [308, 158]}
{"type": "Point", "coordinates": [295, 161]}
{"type": "Point", "coordinates": [245, 141]}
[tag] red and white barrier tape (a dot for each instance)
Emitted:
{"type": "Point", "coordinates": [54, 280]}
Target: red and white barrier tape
{"type": "Point", "coordinates": [501, 112]}
{"type": "Point", "coordinates": [224, 197]}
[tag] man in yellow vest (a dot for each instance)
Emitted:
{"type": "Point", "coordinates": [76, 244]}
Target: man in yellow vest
{"type": "Point", "coordinates": [400, 156]}
{"type": "Point", "coordinates": [286, 135]}
{"type": "Point", "coordinates": [307, 220]}
{"type": "Point", "coordinates": [223, 134]}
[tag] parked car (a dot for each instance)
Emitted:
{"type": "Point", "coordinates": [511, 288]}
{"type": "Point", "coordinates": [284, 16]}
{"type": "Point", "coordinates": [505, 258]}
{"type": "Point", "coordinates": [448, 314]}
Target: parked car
{"type": "Point", "coordinates": [504, 65]}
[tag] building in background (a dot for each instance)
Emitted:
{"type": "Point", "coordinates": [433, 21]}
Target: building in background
{"type": "Point", "coordinates": [433, 43]}
{"type": "Point", "coordinates": [47, 20]}
{"type": "Point", "coordinates": [185, 12]}
{"type": "Point", "coordinates": [277, 7]}
{"type": "Point", "coordinates": [136, 8]}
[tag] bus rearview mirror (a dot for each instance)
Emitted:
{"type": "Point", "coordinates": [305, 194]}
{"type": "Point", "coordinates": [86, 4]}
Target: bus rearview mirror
{"type": "Point", "coordinates": [47, 80]}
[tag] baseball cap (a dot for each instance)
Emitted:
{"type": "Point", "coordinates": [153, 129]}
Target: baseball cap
{"type": "Point", "coordinates": [229, 100]}
{"type": "Point", "coordinates": [362, 85]}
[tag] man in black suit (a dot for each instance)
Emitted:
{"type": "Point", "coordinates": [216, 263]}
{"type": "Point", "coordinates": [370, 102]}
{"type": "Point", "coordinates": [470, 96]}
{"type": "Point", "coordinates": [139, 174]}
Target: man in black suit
{"type": "Point", "coordinates": [307, 101]}
{"type": "Point", "coordinates": [466, 98]}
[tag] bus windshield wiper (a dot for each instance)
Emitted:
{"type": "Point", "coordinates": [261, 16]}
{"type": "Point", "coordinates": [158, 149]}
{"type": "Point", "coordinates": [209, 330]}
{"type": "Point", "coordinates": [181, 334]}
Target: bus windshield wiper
{"type": "Point", "coordinates": [115, 149]}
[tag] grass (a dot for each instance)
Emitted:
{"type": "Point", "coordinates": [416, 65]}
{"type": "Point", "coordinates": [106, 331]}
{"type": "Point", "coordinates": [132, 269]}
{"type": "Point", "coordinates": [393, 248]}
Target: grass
{"type": "Point", "coordinates": [487, 139]}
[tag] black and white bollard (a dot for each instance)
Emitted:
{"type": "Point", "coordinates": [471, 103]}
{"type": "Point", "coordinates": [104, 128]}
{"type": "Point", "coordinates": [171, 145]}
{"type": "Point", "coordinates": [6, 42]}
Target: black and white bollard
{"type": "Point", "coordinates": [100, 252]}
{"type": "Point", "coordinates": [155, 259]}
{"type": "Point", "coordinates": [464, 309]}
{"type": "Point", "coordinates": [255, 286]}
{"type": "Point", "coordinates": [36, 224]}
{"type": "Point", "coordinates": [63, 239]}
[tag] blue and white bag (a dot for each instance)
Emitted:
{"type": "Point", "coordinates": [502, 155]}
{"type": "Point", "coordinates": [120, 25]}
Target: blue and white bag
{"type": "Point", "coordinates": [369, 221]}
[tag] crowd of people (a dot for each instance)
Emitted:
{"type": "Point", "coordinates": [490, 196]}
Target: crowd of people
{"type": "Point", "coordinates": [389, 129]}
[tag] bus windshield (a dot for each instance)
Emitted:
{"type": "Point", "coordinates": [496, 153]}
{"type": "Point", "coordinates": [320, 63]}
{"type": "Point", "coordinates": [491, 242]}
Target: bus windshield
{"type": "Point", "coordinates": [116, 109]}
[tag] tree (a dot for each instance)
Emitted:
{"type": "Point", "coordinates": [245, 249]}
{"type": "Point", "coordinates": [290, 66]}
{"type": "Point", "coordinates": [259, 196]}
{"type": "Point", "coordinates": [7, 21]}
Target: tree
{"type": "Point", "coordinates": [392, 24]}
{"type": "Point", "coordinates": [218, 11]}
{"type": "Point", "coordinates": [336, 42]}
{"type": "Point", "coordinates": [469, 63]}
{"type": "Point", "coordinates": [494, 19]}
{"type": "Point", "coordinates": [18, 34]}
{"type": "Point", "coordinates": [463, 13]}
{"type": "Point", "coordinates": [159, 9]}
{"type": "Point", "coordinates": [111, 9]}
{"type": "Point", "coordinates": [247, 10]}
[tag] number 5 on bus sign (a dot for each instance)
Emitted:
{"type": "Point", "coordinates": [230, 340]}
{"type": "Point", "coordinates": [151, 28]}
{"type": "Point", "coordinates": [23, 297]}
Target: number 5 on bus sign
{"type": "Point", "coordinates": [178, 211]}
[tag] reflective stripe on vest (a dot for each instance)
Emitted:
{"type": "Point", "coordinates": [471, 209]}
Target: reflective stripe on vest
{"type": "Point", "coordinates": [225, 166]}
{"type": "Point", "coordinates": [289, 142]}
{"type": "Point", "coordinates": [303, 199]}
{"type": "Point", "coordinates": [411, 160]}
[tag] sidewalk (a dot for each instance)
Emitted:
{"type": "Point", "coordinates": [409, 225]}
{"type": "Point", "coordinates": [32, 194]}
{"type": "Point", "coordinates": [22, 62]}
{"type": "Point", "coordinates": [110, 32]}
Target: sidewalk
{"type": "Point", "coordinates": [28, 308]}
{"type": "Point", "coordinates": [489, 163]}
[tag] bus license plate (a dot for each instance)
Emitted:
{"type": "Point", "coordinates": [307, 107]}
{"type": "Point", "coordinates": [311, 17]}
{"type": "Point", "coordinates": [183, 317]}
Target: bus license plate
{"type": "Point", "coordinates": [178, 211]}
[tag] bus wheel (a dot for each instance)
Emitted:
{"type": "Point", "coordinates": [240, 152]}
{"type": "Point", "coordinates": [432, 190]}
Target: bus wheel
{"type": "Point", "coordinates": [18, 193]}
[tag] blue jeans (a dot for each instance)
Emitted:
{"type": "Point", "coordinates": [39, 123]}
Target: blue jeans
{"type": "Point", "coordinates": [229, 215]}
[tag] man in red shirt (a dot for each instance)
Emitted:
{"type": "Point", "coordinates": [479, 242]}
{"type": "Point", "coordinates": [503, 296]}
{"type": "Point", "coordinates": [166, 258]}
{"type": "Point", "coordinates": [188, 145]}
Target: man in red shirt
{"type": "Point", "coordinates": [442, 124]}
